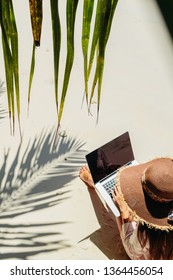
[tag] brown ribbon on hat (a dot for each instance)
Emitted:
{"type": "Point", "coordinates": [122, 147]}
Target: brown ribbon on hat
{"type": "Point", "coordinates": [148, 187]}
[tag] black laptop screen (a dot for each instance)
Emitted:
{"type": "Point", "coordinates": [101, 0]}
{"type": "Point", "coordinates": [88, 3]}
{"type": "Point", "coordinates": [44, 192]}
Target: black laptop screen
{"type": "Point", "coordinates": [109, 157]}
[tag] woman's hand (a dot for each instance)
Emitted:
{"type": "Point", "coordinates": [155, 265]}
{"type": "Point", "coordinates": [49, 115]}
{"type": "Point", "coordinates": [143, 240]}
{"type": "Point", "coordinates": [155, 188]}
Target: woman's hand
{"type": "Point", "coordinates": [119, 201]}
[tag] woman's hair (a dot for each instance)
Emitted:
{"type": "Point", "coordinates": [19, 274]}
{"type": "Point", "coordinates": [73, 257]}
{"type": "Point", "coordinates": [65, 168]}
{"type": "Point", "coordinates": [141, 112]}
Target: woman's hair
{"type": "Point", "coordinates": [160, 242]}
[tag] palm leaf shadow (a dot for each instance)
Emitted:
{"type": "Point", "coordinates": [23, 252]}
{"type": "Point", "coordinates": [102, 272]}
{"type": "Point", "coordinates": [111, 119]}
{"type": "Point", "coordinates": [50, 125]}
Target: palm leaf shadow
{"type": "Point", "coordinates": [36, 180]}
{"type": "Point", "coordinates": [40, 171]}
{"type": "Point", "coordinates": [21, 241]}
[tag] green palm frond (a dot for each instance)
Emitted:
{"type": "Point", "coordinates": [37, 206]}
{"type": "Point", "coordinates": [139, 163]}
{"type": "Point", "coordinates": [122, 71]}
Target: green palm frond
{"type": "Point", "coordinates": [105, 8]}
{"type": "Point", "coordinates": [87, 16]}
{"type": "Point", "coordinates": [14, 50]}
{"type": "Point", "coordinates": [95, 37]}
{"type": "Point", "coordinates": [111, 16]}
{"type": "Point", "coordinates": [56, 32]}
{"type": "Point", "coordinates": [71, 9]}
{"type": "Point", "coordinates": [10, 51]}
{"type": "Point", "coordinates": [103, 23]}
{"type": "Point", "coordinates": [31, 74]}
{"type": "Point", "coordinates": [93, 48]}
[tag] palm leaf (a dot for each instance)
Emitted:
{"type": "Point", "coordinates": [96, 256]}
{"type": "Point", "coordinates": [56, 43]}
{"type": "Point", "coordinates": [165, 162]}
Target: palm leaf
{"type": "Point", "coordinates": [94, 83]}
{"type": "Point", "coordinates": [100, 13]}
{"type": "Point", "coordinates": [106, 10]}
{"type": "Point", "coordinates": [31, 74]}
{"type": "Point", "coordinates": [87, 16]}
{"type": "Point", "coordinates": [14, 50]}
{"type": "Point", "coordinates": [102, 26]}
{"type": "Point", "coordinates": [36, 14]}
{"type": "Point", "coordinates": [70, 19]}
{"type": "Point", "coordinates": [56, 31]}
{"type": "Point", "coordinates": [4, 16]}
{"type": "Point", "coordinates": [112, 11]}
{"type": "Point", "coordinates": [10, 51]}
{"type": "Point", "coordinates": [95, 36]}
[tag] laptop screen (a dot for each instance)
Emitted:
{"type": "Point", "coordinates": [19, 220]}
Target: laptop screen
{"type": "Point", "coordinates": [109, 157]}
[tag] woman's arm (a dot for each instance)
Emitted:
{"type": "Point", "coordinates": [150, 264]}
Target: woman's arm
{"type": "Point", "coordinates": [125, 215]}
{"type": "Point", "coordinates": [127, 228]}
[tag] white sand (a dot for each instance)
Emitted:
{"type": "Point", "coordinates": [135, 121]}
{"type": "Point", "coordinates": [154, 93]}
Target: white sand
{"type": "Point", "coordinates": [53, 215]}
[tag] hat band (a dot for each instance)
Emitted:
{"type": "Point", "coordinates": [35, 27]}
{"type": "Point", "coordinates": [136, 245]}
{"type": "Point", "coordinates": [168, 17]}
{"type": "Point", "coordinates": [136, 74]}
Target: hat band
{"type": "Point", "coordinates": [151, 194]}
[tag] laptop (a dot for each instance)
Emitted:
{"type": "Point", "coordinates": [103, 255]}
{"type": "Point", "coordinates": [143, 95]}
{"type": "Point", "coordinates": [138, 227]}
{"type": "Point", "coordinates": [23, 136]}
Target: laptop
{"type": "Point", "coordinates": [104, 164]}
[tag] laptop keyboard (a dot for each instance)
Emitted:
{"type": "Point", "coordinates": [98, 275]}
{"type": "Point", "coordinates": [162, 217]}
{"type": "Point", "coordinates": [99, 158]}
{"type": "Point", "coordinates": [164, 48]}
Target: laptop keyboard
{"type": "Point", "coordinates": [109, 186]}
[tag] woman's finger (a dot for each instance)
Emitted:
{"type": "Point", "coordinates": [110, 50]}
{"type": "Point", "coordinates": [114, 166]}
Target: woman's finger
{"type": "Point", "coordinates": [113, 195]}
{"type": "Point", "coordinates": [115, 190]}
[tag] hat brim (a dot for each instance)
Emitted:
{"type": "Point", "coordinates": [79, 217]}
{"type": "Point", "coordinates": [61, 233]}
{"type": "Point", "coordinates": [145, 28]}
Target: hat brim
{"type": "Point", "coordinates": [153, 213]}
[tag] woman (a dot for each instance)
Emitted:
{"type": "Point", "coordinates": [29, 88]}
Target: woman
{"type": "Point", "coordinates": [144, 195]}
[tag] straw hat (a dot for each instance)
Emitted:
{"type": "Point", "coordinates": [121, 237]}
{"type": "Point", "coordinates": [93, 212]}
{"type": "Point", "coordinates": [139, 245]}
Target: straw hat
{"type": "Point", "coordinates": [148, 191]}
